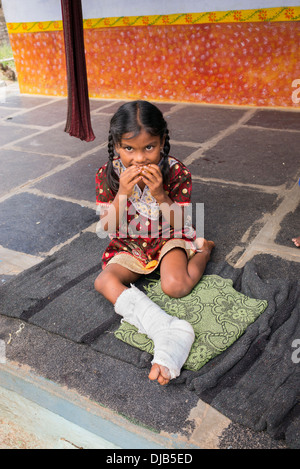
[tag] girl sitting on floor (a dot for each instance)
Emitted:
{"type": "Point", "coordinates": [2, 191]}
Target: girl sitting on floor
{"type": "Point", "coordinates": [148, 189]}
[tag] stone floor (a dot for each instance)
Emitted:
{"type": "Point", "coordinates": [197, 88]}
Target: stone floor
{"type": "Point", "coordinates": [245, 166]}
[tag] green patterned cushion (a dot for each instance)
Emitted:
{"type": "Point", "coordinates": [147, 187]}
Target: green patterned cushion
{"type": "Point", "coordinates": [218, 313]}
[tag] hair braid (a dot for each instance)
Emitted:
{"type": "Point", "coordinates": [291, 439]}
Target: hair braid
{"type": "Point", "coordinates": [110, 146]}
{"type": "Point", "coordinates": [165, 168]}
{"type": "Point", "coordinates": [112, 177]}
{"type": "Point", "coordinates": [167, 146]}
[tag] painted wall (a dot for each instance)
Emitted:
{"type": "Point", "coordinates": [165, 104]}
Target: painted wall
{"type": "Point", "coordinates": [221, 52]}
{"type": "Point", "coordinates": [45, 10]}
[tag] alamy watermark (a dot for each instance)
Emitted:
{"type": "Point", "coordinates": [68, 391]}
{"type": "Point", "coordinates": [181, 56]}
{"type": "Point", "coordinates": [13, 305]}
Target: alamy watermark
{"type": "Point", "coordinates": [177, 221]}
{"type": "Point", "coordinates": [2, 352]}
{"type": "Point", "coordinates": [296, 353]}
{"type": "Point", "coordinates": [296, 93]}
{"type": "Point", "coordinates": [2, 94]}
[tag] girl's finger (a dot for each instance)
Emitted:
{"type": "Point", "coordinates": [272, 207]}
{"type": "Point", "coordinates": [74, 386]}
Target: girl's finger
{"type": "Point", "coordinates": [130, 173]}
{"type": "Point", "coordinates": [146, 174]}
{"type": "Point", "coordinates": [152, 177]}
{"type": "Point", "coordinates": [153, 169]}
{"type": "Point", "coordinates": [149, 180]}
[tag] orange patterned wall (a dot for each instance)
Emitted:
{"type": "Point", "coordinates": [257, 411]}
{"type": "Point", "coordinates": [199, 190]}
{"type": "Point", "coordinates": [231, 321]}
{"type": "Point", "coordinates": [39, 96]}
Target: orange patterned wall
{"type": "Point", "coordinates": [40, 62]}
{"type": "Point", "coordinates": [226, 63]}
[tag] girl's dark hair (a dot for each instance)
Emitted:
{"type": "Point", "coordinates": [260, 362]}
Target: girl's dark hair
{"type": "Point", "coordinates": [132, 117]}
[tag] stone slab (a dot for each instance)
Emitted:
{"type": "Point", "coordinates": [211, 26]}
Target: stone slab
{"type": "Point", "coordinates": [9, 133]}
{"type": "Point", "coordinates": [290, 228]}
{"type": "Point", "coordinates": [97, 105]}
{"type": "Point", "coordinates": [276, 119]}
{"type": "Point", "coordinates": [57, 141]}
{"type": "Point", "coordinates": [18, 101]}
{"type": "Point", "coordinates": [199, 123]}
{"type": "Point", "coordinates": [164, 107]}
{"type": "Point", "coordinates": [112, 108]}
{"type": "Point", "coordinates": [229, 212]}
{"type": "Point", "coordinates": [46, 116]}
{"type": "Point", "coordinates": [252, 156]}
{"type": "Point", "coordinates": [181, 151]}
{"type": "Point", "coordinates": [17, 168]}
{"type": "Point", "coordinates": [14, 262]}
{"type": "Point", "coordinates": [77, 181]}
{"type": "Point", "coordinates": [51, 113]}
{"type": "Point", "coordinates": [34, 224]}
{"type": "Point", "coordinates": [5, 112]}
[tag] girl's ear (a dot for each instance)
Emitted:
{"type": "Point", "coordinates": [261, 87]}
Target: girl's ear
{"type": "Point", "coordinates": [117, 149]}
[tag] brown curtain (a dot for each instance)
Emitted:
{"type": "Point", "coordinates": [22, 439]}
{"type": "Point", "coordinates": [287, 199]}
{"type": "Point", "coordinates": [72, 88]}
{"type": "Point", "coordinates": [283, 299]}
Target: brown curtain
{"type": "Point", "coordinates": [78, 118]}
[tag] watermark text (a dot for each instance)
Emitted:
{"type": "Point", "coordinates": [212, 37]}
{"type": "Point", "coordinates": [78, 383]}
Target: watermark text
{"type": "Point", "coordinates": [296, 93]}
{"type": "Point", "coordinates": [296, 353]}
{"type": "Point", "coordinates": [130, 221]}
{"type": "Point", "coordinates": [2, 352]}
{"type": "Point", "coordinates": [2, 94]}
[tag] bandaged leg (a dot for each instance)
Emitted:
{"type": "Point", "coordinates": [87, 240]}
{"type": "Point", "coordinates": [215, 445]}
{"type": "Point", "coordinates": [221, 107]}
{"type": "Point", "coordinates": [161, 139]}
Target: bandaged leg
{"type": "Point", "coordinates": [172, 337]}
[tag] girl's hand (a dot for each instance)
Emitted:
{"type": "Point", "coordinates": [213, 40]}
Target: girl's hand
{"type": "Point", "coordinates": [128, 179]}
{"type": "Point", "coordinates": [152, 177]}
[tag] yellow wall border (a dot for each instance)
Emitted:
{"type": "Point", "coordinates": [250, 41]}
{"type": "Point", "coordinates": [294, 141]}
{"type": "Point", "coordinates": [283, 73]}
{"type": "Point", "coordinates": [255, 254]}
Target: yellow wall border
{"type": "Point", "coordinates": [232, 16]}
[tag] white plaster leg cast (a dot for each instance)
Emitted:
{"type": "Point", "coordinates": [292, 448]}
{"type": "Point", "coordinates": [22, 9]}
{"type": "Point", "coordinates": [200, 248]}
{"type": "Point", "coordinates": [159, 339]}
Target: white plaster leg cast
{"type": "Point", "coordinates": [172, 337]}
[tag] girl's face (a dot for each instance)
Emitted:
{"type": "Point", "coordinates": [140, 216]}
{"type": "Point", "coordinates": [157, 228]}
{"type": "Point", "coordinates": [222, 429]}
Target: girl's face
{"type": "Point", "coordinates": [140, 150]}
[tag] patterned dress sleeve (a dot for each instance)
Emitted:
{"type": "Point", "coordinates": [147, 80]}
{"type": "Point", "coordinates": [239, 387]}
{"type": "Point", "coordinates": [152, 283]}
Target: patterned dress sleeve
{"type": "Point", "coordinates": [104, 195]}
{"type": "Point", "coordinates": [180, 185]}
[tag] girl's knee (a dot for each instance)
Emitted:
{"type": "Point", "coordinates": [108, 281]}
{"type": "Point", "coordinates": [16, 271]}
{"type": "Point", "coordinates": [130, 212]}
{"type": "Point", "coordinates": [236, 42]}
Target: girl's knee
{"type": "Point", "coordinates": [175, 286]}
{"type": "Point", "coordinates": [98, 284]}
{"type": "Point", "coordinates": [101, 282]}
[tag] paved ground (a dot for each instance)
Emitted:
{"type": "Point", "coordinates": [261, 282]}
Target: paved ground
{"type": "Point", "coordinates": [245, 166]}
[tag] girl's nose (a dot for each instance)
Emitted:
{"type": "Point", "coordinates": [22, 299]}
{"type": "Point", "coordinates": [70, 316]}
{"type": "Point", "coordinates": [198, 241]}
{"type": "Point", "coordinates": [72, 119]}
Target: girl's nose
{"type": "Point", "coordinates": [139, 158]}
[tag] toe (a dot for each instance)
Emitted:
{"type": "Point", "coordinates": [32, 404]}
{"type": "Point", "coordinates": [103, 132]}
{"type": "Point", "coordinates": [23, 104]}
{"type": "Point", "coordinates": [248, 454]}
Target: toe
{"type": "Point", "coordinates": [161, 373]}
{"type": "Point", "coordinates": [165, 375]}
{"type": "Point", "coordinates": [162, 381]}
{"type": "Point", "coordinates": [154, 372]}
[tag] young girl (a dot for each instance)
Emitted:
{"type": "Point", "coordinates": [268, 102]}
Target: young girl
{"type": "Point", "coordinates": [148, 189]}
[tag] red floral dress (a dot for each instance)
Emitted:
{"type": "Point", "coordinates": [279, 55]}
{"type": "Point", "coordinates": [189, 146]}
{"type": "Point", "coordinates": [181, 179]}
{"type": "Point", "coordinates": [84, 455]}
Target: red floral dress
{"type": "Point", "coordinates": [143, 236]}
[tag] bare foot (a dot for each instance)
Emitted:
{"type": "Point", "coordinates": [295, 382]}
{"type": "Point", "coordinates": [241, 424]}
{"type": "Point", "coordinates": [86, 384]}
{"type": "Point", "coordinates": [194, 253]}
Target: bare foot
{"type": "Point", "coordinates": [296, 241]}
{"type": "Point", "coordinates": [161, 373]}
{"type": "Point", "coordinates": [204, 245]}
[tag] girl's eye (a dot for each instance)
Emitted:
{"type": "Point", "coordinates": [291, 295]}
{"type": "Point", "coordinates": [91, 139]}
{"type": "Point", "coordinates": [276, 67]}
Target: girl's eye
{"type": "Point", "coordinates": [149, 147]}
{"type": "Point", "coordinates": [128, 148]}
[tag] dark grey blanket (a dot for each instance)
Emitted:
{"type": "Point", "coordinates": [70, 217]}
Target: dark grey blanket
{"type": "Point", "coordinates": [256, 382]}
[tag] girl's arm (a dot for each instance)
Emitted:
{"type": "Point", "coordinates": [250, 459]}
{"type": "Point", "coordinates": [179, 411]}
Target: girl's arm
{"type": "Point", "coordinates": [172, 212]}
{"type": "Point", "coordinates": [110, 218]}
